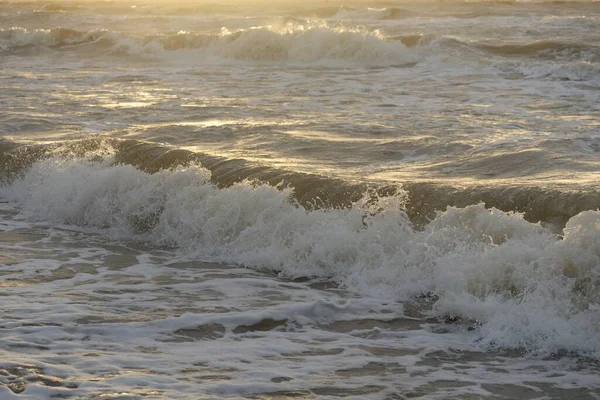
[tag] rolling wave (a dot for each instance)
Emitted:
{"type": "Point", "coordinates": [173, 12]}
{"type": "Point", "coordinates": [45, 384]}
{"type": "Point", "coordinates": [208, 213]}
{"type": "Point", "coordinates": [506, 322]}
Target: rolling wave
{"type": "Point", "coordinates": [523, 286]}
{"type": "Point", "coordinates": [315, 44]}
{"type": "Point", "coordinates": [422, 199]}
{"type": "Point", "coordinates": [292, 43]}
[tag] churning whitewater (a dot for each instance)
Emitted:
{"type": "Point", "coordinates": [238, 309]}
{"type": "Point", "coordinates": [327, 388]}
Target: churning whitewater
{"type": "Point", "coordinates": [344, 200]}
{"type": "Point", "coordinates": [508, 275]}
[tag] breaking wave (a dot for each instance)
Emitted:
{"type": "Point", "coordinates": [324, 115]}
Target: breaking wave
{"type": "Point", "coordinates": [520, 284]}
{"type": "Point", "coordinates": [317, 44]}
{"type": "Point", "coordinates": [422, 199]}
{"type": "Point", "coordinates": [291, 43]}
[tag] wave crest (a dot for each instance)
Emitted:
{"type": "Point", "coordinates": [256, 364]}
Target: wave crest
{"type": "Point", "coordinates": [553, 206]}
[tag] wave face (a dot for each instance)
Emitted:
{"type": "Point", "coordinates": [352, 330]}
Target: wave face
{"type": "Point", "coordinates": [525, 286]}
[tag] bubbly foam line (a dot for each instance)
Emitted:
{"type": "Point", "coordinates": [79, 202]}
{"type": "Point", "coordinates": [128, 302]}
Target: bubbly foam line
{"type": "Point", "coordinates": [510, 275]}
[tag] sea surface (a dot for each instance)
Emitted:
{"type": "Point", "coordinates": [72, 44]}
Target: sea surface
{"type": "Point", "coordinates": [310, 200]}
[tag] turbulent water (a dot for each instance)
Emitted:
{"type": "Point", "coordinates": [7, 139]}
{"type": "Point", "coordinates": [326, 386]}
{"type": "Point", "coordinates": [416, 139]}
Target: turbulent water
{"type": "Point", "coordinates": [272, 200]}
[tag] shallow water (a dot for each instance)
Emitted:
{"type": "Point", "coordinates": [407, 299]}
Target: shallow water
{"type": "Point", "coordinates": [359, 200]}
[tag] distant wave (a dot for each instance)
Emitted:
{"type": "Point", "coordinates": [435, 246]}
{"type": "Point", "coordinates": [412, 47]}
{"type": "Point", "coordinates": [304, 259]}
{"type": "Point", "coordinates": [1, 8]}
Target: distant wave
{"type": "Point", "coordinates": [15, 38]}
{"type": "Point", "coordinates": [347, 12]}
{"type": "Point", "coordinates": [324, 12]}
{"type": "Point", "coordinates": [354, 11]}
{"type": "Point", "coordinates": [541, 48]}
{"type": "Point", "coordinates": [44, 6]}
{"type": "Point", "coordinates": [114, 8]}
{"type": "Point", "coordinates": [319, 45]}
{"type": "Point", "coordinates": [309, 43]}
{"type": "Point", "coordinates": [540, 59]}
{"type": "Point", "coordinates": [523, 286]}
{"type": "Point", "coordinates": [291, 43]}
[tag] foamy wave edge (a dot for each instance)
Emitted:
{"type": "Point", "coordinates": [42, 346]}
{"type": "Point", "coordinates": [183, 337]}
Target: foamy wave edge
{"type": "Point", "coordinates": [523, 286]}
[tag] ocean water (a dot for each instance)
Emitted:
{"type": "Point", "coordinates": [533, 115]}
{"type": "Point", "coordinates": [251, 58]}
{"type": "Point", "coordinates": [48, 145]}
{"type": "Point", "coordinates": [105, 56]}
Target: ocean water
{"type": "Point", "coordinates": [312, 200]}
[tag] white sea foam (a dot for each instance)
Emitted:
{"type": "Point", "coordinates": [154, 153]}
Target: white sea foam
{"type": "Point", "coordinates": [526, 287]}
